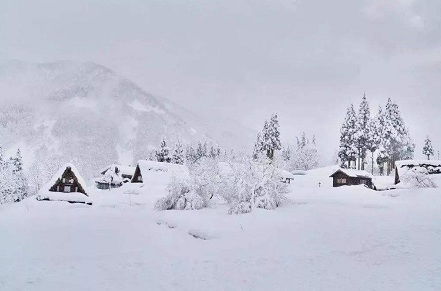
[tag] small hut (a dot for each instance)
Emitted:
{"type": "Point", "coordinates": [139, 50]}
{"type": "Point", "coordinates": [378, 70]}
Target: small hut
{"type": "Point", "coordinates": [114, 176]}
{"type": "Point", "coordinates": [65, 185]}
{"type": "Point", "coordinates": [350, 177]}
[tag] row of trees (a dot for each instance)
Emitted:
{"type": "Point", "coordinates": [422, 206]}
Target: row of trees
{"type": "Point", "coordinates": [303, 156]}
{"type": "Point", "coordinates": [13, 183]}
{"type": "Point", "coordinates": [191, 154]}
{"type": "Point", "coordinates": [385, 136]}
{"type": "Point", "coordinates": [245, 182]}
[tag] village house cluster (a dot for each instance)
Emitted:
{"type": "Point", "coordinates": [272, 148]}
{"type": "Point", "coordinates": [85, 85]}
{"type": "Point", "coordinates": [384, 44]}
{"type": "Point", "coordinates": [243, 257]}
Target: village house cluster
{"type": "Point", "coordinates": [68, 185]}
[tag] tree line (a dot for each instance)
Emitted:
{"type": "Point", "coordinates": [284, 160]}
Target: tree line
{"type": "Point", "coordinates": [384, 136]}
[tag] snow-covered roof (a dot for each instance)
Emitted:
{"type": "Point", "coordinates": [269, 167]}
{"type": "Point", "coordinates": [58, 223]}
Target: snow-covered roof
{"type": "Point", "coordinates": [298, 172]}
{"type": "Point", "coordinates": [354, 173]}
{"type": "Point", "coordinates": [124, 170]}
{"type": "Point", "coordinates": [432, 166]}
{"type": "Point", "coordinates": [434, 163]}
{"type": "Point", "coordinates": [285, 174]}
{"type": "Point", "coordinates": [149, 168]}
{"type": "Point", "coordinates": [59, 174]}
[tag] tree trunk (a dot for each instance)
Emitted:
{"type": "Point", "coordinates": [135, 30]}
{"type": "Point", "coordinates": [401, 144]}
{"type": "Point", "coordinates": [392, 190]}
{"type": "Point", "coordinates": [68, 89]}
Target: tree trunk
{"type": "Point", "coordinates": [372, 162]}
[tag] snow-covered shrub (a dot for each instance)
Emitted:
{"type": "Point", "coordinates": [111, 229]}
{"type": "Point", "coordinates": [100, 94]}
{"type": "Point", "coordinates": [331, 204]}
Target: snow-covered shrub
{"type": "Point", "coordinates": [206, 178]}
{"type": "Point", "coordinates": [417, 178]}
{"type": "Point", "coordinates": [253, 184]}
{"type": "Point", "coordinates": [181, 197]}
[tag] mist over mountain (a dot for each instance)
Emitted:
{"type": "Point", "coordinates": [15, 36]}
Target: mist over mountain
{"type": "Point", "coordinates": [88, 114]}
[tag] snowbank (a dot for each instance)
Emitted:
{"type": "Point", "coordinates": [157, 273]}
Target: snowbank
{"type": "Point", "coordinates": [73, 197]}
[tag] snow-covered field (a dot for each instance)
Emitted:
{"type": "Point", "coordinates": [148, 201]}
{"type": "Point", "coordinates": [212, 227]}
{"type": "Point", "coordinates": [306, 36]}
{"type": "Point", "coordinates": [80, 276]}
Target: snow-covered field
{"type": "Point", "coordinates": [349, 238]}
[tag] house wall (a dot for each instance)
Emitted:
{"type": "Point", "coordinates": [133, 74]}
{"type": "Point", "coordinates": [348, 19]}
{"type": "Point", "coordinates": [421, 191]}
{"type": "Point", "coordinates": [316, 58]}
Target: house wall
{"type": "Point", "coordinates": [350, 180]}
{"type": "Point", "coordinates": [136, 176]}
{"type": "Point", "coordinates": [69, 180]}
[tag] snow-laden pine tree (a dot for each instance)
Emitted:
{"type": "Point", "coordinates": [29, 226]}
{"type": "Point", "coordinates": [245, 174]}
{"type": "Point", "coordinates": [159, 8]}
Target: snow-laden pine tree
{"type": "Point", "coordinates": [286, 153]}
{"type": "Point", "coordinates": [163, 154]}
{"type": "Point", "coordinates": [190, 154]}
{"type": "Point", "coordinates": [373, 141]}
{"type": "Point", "coordinates": [214, 152]}
{"type": "Point", "coordinates": [20, 181]}
{"type": "Point", "coordinates": [428, 148]}
{"type": "Point", "coordinates": [201, 150]}
{"type": "Point", "coordinates": [13, 183]}
{"type": "Point", "coordinates": [178, 154]}
{"type": "Point", "coordinates": [347, 149]}
{"type": "Point", "coordinates": [268, 141]}
{"type": "Point", "coordinates": [362, 132]}
{"type": "Point", "coordinates": [396, 139]}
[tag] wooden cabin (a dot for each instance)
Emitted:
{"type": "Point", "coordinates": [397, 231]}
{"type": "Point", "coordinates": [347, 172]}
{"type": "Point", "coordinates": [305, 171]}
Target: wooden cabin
{"type": "Point", "coordinates": [68, 182]}
{"type": "Point", "coordinates": [349, 177]}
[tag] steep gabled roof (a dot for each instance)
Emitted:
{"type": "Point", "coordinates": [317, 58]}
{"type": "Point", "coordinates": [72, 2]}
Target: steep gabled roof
{"type": "Point", "coordinates": [60, 173]}
{"type": "Point", "coordinates": [353, 173]}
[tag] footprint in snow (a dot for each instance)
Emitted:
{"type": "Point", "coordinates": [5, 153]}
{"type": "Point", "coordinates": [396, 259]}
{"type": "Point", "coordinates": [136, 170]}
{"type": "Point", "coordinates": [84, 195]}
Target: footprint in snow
{"type": "Point", "coordinates": [200, 235]}
{"type": "Point", "coordinates": [165, 223]}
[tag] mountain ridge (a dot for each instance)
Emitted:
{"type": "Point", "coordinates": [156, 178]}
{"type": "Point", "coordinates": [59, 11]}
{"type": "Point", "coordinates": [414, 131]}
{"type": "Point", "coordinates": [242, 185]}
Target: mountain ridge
{"type": "Point", "coordinates": [86, 113]}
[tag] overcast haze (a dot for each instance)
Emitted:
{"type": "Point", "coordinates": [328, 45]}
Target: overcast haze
{"type": "Point", "coordinates": [306, 60]}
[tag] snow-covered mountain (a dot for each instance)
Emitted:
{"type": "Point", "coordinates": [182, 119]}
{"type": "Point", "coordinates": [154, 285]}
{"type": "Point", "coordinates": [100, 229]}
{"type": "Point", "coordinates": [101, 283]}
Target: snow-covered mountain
{"type": "Point", "coordinates": [87, 114]}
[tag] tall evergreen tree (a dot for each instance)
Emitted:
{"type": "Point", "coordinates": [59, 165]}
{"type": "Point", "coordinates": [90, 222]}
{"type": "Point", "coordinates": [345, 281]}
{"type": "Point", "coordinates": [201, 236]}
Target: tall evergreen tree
{"type": "Point", "coordinates": [178, 154]}
{"type": "Point", "coordinates": [428, 148]}
{"type": "Point", "coordinates": [286, 153]}
{"type": "Point", "coordinates": [362, 132]}
{"type": "Point", "coordinates": [163, 154]}
{"type": "Point", "coordinates": [374, 138]}
{"type": "Point", "coordinates": [397, 142]}
{"type": "Point", "coordinates": [13, 183]}
{"type": "Point", "coordinates": [347, 149]}
{"type": "Point", "coordinates": [17, 163]}
{"type": "Point", "coordinates": [258, 147]}
{"type": "Point", "coordinates": [268, 142]}
{"type": "Point", "coordinates": [201, 150]}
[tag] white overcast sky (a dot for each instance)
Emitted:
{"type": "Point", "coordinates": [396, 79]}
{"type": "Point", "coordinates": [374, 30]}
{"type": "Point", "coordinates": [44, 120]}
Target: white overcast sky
{"type": "Point", "coordinates": [306, 60]}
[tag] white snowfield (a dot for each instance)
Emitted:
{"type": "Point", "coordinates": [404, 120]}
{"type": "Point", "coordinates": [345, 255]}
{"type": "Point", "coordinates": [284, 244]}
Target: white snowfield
{"type": "Point", "coordinates": [347, 238]}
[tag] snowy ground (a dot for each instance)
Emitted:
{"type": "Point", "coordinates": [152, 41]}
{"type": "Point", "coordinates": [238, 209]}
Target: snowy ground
{"type": "Point", "coordinates": [326, 238]}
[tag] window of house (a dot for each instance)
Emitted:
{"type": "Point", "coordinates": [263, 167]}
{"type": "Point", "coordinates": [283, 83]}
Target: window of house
{"type": "Point", "coordinates": [67, 189]}
{"type": "Point", "coordinates": [64, 180]}
{"type": "Point", "coordinates": [341, 181]}
{"type": "Point", "coordinates": [140, 178]}
{"type": "Point", "coordinates": [362, 181]}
